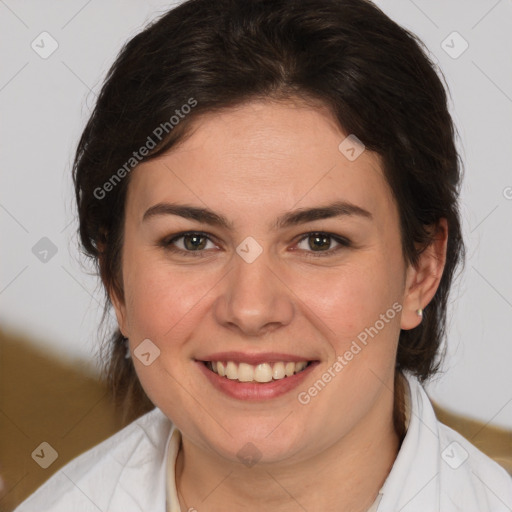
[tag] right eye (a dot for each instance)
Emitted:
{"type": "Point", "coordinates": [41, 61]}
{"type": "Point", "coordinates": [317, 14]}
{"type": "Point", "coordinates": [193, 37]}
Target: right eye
{"type": "Point", "coordinates": [188, 243]}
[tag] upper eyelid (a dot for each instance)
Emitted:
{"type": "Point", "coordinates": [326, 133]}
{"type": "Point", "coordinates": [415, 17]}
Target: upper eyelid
{"type": "Point", "coordinates": [181, 234]}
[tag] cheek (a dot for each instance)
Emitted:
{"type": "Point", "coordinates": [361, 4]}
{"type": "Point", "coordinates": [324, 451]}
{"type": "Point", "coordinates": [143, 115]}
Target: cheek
{"type": "Point", "coordinates": [161, 300]}
{"type": "Point", "coordinates": [351, 299]}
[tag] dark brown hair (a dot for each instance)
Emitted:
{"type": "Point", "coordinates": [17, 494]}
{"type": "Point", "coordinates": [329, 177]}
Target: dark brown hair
{"type": "Point", "coordinates": [373, 76]}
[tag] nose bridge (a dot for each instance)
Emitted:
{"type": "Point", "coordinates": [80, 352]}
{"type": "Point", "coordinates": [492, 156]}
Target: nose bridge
{"type": "Point", "coordinates": [253, 299]}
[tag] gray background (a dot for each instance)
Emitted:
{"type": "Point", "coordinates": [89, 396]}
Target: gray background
{"type": "Point", "coordinates": [45, 102]}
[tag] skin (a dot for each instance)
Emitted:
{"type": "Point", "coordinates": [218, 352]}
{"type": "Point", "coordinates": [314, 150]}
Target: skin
{"type": "Point", "coordinates": [253, 164]}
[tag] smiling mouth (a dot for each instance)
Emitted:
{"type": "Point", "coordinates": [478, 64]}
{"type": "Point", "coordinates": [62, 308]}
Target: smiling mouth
{"type": "Point", "coordinates": [263, 372]}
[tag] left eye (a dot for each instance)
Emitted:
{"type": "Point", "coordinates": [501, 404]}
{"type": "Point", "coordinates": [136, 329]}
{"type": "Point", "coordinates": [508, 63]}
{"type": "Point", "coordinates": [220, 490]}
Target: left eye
{"type": "Point", "coordinates": [321, 242]}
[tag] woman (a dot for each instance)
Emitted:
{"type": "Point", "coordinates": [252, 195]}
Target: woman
{"type": "Point", "coordinates": [269, 189]}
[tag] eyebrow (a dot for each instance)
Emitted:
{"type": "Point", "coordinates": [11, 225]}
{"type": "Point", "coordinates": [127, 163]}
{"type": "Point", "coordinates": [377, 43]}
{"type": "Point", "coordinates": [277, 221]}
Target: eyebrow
{"type": "Point", "coordinates": [299, 216]}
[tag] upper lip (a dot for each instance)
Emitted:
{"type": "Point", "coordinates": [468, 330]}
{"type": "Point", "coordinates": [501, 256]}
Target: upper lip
{"type": "Point", "coordinates": [255, 358]}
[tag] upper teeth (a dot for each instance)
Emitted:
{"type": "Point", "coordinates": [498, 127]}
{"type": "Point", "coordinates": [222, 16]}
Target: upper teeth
{"type": "Point", "coordinates": [263, 372]}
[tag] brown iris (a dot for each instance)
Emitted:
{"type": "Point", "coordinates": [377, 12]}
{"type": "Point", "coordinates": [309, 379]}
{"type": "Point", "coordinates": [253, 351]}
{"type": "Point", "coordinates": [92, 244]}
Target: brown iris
{"type": "Point", "coordinates": [194, 242]}
{"type": "Point", "coordinates": [319, 242]}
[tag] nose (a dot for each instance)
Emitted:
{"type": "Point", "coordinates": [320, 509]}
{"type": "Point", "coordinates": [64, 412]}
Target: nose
{"type": "Point", "coordinates": [254, 300]}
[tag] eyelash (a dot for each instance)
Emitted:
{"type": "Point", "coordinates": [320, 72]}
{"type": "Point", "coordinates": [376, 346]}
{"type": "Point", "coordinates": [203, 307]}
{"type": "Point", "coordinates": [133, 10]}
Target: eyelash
{"type": "Point", "coordinates": [343, 243]}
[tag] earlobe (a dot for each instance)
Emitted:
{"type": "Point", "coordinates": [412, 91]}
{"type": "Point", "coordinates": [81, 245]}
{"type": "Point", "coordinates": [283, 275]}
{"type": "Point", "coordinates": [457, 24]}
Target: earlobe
{"type": "Point", "coordinates": [422, 279]}
{"type": "Point", "coordinates": [120, 311]}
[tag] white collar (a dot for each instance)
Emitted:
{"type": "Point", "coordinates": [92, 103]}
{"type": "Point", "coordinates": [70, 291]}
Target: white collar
{"type": "Point", "coordinates": [173, 447]}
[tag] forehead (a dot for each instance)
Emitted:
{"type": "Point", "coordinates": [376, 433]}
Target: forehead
{"type": "Point", "coordinates": [262, 156]}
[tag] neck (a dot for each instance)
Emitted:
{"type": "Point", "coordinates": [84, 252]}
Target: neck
{"type": "Point", "coordinates": [347, 476]}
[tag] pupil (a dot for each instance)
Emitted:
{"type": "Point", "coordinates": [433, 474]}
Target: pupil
{"type": "Point", "coordinates": [194, 242]}
{"type": "Point", "coordinates": [319, 242]}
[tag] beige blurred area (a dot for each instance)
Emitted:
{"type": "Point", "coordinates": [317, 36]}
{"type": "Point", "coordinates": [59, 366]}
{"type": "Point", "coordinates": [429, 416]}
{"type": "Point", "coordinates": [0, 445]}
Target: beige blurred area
{"type": "Point", "coordinates": [43, 399]}
{"type": "Point", "coordinates": [46, 400]}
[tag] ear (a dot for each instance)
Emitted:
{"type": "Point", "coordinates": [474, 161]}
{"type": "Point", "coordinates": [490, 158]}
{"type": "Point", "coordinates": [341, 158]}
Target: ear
{"type": "Point", "coordinates": [120, 310]}
{"type": "Point", "coordinates": [422, 279]}
{"type": "Point", "coordinates": [114, 290]}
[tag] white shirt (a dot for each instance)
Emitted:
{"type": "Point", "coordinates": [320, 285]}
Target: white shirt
{"type": "Point", "coordinates": [436, 470]}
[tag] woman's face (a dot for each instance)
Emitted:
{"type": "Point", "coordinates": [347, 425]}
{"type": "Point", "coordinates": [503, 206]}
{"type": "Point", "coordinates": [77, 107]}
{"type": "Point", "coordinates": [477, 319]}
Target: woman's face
{"type": "Point", "coordinates": [293, 255]}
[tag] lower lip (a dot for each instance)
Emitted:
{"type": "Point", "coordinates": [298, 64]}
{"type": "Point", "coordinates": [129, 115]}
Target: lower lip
{"type": "Point", "coordinates": [255, 390]}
